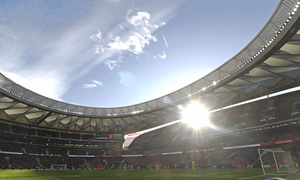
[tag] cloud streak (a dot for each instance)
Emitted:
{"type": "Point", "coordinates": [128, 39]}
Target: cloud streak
{"type": "Point", "coordinates": [59, 48]}
{"type": "Point", "coordinates": [165, 40]}
{"type": "Point", "coordinates": [46, 46]}
{"type": "Point", "coordinates": [94, 84]}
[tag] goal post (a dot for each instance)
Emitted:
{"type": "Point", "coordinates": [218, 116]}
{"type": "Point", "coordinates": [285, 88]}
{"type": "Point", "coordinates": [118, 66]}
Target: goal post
{"type": "Point", "coordinates": [276, 160]}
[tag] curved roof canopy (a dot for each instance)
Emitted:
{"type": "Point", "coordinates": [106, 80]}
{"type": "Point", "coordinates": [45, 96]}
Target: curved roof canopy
{"type": "Point", "coordinates": [269, 63]}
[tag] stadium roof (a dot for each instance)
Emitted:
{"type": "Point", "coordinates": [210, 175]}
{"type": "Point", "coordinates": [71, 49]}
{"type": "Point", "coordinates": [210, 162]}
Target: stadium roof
{"type": "Point", "coordinates": [269, 63]}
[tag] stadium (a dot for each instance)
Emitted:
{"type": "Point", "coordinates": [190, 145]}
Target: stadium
{"type": "Point", "coordinates": [249, 128]}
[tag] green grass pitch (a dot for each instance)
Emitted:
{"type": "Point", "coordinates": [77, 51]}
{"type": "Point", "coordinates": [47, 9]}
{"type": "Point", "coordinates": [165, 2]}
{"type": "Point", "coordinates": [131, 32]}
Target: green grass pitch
{"type": "Point", "coordinates": [163, 174]}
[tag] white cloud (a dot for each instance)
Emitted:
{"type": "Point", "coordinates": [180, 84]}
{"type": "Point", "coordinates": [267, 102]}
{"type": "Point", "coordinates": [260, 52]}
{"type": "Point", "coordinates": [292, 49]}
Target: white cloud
{"type": "Point", "coordinates": [93, 85]}
{"type": "Point", "coordinates": [112, 64]}
{"type": "Point", "coordinates": [45, 83]}
{"type": "Point", "coordinates": [99, 49]}
{"type": "Point", "coordinates": [97, 82]}
{"type": "Point", "coordinates": [89, 86]}
{"type": "Point", "coordinates": [96, 37]}
{"type": "Point", "coordinates": [136, 34]}
{"type": "Point", "coordinates": [161, 56]}
{"type": "Point", "coordinates": [140, 19]}
{"type": "Point", "coordinates": [118, 44]}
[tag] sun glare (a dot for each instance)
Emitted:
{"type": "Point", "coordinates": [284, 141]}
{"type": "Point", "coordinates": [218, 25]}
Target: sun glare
{"type": "Point", "coordinates": [195, 115]}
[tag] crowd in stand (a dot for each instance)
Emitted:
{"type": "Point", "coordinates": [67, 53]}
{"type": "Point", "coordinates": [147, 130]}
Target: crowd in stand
{"type": "Point", "coordinates": [243, 157]}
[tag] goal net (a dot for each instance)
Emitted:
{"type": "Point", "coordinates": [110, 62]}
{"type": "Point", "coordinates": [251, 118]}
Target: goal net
{"type": "Point", "coordinates": [59, 166]}
{"type": "Point", "coordinates": [276, 161]}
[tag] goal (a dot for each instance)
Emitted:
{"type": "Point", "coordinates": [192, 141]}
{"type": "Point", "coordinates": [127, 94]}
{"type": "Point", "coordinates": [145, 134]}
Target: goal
{"type": "Point", "coordinates": [275, 161]}
{"type": "Point", "coordinates": [59, 166]}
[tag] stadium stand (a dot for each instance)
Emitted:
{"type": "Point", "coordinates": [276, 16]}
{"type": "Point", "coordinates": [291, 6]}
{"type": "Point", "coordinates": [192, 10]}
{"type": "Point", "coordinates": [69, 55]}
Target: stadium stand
{"type": "Point", "coordinates": [233, 146]}
{"type": "Point", "coordinates": [40, 133]}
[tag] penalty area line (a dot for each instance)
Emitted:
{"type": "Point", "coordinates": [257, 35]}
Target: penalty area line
{"type": "Point", "coordinates": [252, 177]}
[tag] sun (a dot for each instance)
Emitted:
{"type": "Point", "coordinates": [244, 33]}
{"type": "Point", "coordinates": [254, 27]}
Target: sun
{"type": "Point", "coordinates": [195, 115]}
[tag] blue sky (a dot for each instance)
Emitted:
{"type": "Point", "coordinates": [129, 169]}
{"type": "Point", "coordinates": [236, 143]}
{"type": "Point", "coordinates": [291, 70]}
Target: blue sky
{"type": "Point", "coordinates": [111, 53]}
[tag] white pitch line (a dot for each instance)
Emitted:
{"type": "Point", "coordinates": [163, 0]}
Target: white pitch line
{"type": "Point", "coordinates": [251, 177]}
